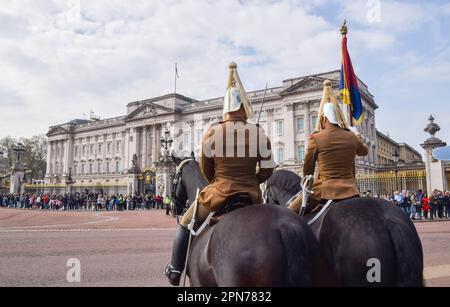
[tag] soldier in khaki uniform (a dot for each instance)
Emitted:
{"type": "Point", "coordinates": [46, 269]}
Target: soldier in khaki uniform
{"type": "Point", "coordinates": [335, 149]}
{"type": "Point", "coordinates": [230, 154]}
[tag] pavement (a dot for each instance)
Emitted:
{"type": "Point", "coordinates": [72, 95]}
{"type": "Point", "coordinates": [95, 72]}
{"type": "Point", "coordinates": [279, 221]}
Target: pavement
{"type": "Point", "coordinates": [128, 248]}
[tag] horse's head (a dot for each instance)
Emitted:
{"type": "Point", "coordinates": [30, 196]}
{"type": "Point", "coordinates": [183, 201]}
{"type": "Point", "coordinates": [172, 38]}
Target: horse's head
{"type": "Point", "coordinates": [281, 186]}
{"type": "Point", "coordinates": [184, 182]}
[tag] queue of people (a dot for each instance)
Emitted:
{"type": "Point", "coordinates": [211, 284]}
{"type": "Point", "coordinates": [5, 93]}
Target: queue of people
{"type": "Point", "coordinates": [418, 205]}
{"type": "Point", "coordinates": [85, 201]}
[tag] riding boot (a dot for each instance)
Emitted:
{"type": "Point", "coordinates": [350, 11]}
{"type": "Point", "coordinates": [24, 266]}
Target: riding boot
{"type": "Point", "coordinates": [175, 268]}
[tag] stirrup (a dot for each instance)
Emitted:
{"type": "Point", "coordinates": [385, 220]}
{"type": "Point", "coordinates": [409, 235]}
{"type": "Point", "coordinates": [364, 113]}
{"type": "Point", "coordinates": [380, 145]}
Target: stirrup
{"type": "Point", "coordinates": [172, 274]}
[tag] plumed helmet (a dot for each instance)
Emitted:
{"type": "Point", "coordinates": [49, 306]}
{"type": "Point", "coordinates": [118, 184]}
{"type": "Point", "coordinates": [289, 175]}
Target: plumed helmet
{"type": "Point", "coordinates": [233, 100]}
{"type": "Point", "coordinates": [235, 96]}
{"type": "Point", "coordinates": [330, 113]}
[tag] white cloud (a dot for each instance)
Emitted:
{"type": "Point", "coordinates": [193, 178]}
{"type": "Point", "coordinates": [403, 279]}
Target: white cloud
{"type": "Point", "coordinates": [64, 58]}
{"type": "Point", "coordinates": [395, 16]}
{"type": "Point", "coordinates": [60, 59]}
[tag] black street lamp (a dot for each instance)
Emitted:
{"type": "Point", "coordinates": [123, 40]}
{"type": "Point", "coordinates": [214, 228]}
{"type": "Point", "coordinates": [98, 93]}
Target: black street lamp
{"type": "Point", "coordinates": [18, 149]}
{"type": "Point", "coordinates": [166, 143]}
{"type": "Point", "coordinates": [395, 156]}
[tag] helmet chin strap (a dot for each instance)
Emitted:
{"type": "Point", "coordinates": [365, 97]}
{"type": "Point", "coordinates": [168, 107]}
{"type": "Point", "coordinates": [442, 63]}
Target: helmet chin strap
{"type": "Point", "coordinates": [236, 115]}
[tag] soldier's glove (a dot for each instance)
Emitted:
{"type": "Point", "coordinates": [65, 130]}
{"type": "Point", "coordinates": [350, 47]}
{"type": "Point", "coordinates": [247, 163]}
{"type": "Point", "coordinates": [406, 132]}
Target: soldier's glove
{"type": "Point", "coordinates": [354, 130]}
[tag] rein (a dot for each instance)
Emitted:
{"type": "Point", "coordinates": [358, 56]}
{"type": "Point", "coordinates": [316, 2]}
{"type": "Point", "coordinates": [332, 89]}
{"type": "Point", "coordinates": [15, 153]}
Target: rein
{"type": "Point", "coordinates": [176, 181]}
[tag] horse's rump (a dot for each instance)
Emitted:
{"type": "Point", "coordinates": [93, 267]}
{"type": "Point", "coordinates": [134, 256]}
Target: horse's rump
{"type": "Point", "coordinates": [358, 234]}
{"type": "Point", "coordinates": [261, 245]}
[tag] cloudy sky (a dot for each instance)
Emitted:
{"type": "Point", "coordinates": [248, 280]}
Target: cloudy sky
{"type": "Point", "coordinates": [60, 59]}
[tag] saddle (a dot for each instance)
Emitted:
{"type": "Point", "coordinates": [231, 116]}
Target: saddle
{"type": "Point", "coordinates": [232, 203]}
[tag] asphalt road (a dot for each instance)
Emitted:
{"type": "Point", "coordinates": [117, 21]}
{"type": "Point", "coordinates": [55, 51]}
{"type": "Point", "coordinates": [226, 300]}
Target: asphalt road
{"type": "Point", "coordinates": [128, 248]}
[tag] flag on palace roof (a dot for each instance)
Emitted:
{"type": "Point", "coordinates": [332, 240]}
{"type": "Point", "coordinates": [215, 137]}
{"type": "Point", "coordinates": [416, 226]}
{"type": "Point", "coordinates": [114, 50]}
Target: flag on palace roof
{"type": "Point", "coordinates": [348, 87]}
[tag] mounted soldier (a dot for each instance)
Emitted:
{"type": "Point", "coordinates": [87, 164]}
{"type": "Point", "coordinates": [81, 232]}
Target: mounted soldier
{"type": "Point", "coordinates": [334, 147]}
{"type": "Point", "coordinates": [236, 158]}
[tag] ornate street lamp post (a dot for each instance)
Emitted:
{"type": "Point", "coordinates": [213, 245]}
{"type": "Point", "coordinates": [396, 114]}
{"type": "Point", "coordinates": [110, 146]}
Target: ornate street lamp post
{"type": "Point", "coordinates": [18, 149]}
{"type": "Point", "coordinates": [166, 144]}
{"type": "Point", "coordinates": [395, 156]}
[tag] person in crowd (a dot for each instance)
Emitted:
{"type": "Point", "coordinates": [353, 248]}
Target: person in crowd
{"type": "Point", "coordinates": [167, 202]}
{"type": "Point", "coordinates": [425, 205]}
{"type": "Point", "coordinates": [447, 204]}
{"type": "Point", "coordinates": [413, 206]}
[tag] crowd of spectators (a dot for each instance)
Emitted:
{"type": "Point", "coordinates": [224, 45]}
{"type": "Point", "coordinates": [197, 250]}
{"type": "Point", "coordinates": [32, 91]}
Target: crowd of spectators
{"type": "Point", "coordinates": [419, 205]}
{"type": "Point", "coordinates": [85, 201]}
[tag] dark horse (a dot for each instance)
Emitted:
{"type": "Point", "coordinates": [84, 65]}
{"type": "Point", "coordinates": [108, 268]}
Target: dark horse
{"type": "Point", "coordinates": [356, 231]}
{"type": "Point", "coordinates": [260, 245]}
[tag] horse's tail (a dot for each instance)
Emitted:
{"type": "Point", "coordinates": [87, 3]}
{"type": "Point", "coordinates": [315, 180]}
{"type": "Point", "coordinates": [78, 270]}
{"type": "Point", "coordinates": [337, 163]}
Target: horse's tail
{"type": "Point", "coordinates": [301, 253]}
{"type": "Point", "coordinates": [408, 251]}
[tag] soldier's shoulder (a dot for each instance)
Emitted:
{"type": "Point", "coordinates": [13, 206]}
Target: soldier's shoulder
{"type": "Point", "coordinates": [314, 134]}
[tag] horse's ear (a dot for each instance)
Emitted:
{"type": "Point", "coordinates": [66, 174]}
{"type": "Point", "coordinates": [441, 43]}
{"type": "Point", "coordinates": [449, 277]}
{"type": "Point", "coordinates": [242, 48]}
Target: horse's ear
{"type": "Point", "coordinates": [175, 159]}
{"type": "Point", "coordinates": [192, 155]}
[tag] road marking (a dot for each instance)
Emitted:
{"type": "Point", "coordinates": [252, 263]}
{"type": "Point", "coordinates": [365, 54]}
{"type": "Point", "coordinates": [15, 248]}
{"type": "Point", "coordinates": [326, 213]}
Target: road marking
{"type": "Point", "coordinates": [108, 219]}
{"type": "Point", "coordinates": [100, 215]}
{"type": "Point", "coordinates": [83, 230]}
{"type": "Point", "coordinates": [438, 271]}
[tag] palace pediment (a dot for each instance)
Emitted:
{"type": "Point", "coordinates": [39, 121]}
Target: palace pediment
{"type": "Point", "coordinates": [307, 84]}
{"type": "Point", "coordinates": [147, 110]}
{"type": "Point", "coordinates": [56, 131]}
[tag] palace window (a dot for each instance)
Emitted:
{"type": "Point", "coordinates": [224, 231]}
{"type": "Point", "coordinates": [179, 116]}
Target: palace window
{"type": "Point", "coordinates": [76, 151]}
{"type": "Point", "coordinates": [301, 152]}
{"type": "Point", "coordinates": [91, 149]}
{"type": "Point", "coordinates": [90, 168]}
{"type": "Point", "coordinates": [280, 155]}
{"type": "Point", "coordinates": [300, 124]}
{"type": "Point", "coordinates": [84, 150]}
{"type": "Point", "coordinates": [313, 122]}
{"type": "Point", "coordinates": [198, 138]}
{"type": "Point", "coordinates": [99, 167]}
{"type": "Point", "coordinates": [118, 146]}
{"type": "Point", "coordinates": [108, 148]}
{"type": "Point", "coordinates": [99, 149]}
{"type": "Point", "coordinates": [279, 124]}
{"type": "Point", "coordinates": [186, 139]}
{"type": "Point", "coordinates": [117, 167]}
{"type": "Point", "coordinates": [107, 167]}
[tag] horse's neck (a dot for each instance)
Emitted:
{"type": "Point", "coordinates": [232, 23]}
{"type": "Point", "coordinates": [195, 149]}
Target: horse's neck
{"type": "Point", "coordinates": [194, 181]}
{"type": "Point", "coordinates": [284, 196]}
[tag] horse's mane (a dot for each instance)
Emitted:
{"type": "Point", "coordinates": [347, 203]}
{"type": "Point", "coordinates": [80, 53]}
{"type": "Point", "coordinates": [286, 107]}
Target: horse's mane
{"type": "Point", "coordinates": [287, 180]}
{"type": "Point", "coordinates": [196, 167]}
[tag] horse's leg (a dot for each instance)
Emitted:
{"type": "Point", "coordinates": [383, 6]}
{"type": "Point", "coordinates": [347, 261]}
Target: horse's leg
{"type": "Point", "coordinates": [408, 248]}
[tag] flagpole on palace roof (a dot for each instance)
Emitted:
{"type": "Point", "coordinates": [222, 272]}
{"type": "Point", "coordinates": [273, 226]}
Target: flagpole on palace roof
{"type": "Point", "coordinates": [176, 77]}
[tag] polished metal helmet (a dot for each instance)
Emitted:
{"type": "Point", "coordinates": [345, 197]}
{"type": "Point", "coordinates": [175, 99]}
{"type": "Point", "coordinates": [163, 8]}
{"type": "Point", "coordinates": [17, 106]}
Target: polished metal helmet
{"type": "Point", "coordinates": [235, 97]}
{"type": "Point", "coordinates": [232, 101]}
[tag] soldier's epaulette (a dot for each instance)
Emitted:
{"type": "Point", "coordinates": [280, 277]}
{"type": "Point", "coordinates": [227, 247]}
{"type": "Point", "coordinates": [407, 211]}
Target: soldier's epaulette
{"type": "Point", "coordinates": [311, 136]}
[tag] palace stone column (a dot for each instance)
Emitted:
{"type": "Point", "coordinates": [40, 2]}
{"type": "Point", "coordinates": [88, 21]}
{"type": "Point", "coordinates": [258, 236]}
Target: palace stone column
{"type": "Point", "coordinates": [436, 179]}
{"type": "Point", "coordinates": [289, 139]}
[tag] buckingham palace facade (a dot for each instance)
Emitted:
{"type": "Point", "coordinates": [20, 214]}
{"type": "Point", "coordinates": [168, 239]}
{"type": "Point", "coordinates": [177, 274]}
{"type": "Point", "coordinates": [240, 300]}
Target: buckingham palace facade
{"type": "Point", "coordinates": [124, 154]}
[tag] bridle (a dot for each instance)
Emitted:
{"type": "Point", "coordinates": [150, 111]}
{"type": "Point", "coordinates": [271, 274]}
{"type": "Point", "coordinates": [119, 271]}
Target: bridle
{"type": "Point", "coordinates": [177, 177]}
